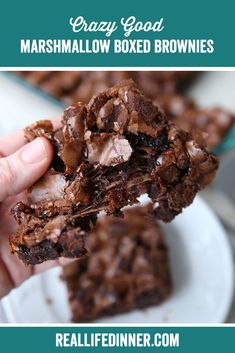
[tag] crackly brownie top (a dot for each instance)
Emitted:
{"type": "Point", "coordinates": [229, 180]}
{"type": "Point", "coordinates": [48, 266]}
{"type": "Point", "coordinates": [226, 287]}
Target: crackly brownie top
{"type": "Point", "coordinates": [119, 146]}
{"type": "Point", "coordinates": [108, 153]}
{"type": "Point", "coordinates": [164, 87]}
{"type": "Point", "coordinates": [97, 133]}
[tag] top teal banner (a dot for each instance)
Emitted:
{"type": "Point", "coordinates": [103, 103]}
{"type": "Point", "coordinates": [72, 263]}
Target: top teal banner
{"type": "Point", "coordinates": [117, 34]}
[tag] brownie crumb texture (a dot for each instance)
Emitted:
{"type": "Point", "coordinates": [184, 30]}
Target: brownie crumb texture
{"type": "Point", "coordinates": [127, 267]}
{"type": "Point", "coordinates": [107, 153]}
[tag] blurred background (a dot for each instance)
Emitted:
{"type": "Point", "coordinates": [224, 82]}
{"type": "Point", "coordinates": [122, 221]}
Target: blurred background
{"type": "Point", "coordinates": [196, 101]}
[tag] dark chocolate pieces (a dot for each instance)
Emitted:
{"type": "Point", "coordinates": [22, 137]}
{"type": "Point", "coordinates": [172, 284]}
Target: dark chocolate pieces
{"type": "Point", "coordinates": [127, 267]}
{"type": "Point", "coordinates": [108, 153]}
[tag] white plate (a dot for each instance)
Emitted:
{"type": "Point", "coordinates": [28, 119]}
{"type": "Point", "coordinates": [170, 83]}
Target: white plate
{"type": "Point", "coordinates": [202, 269]}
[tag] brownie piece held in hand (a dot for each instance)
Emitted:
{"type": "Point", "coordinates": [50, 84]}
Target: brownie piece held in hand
{"type": "Point", "coordinates": [107, 153]}
{"type": "Point", "coordinates": [127, 267]}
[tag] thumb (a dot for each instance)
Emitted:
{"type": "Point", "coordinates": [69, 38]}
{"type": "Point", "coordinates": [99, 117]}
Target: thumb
{"type": "Point", "coordinates": [23, 168]}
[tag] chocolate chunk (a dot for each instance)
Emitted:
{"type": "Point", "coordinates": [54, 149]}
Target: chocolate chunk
{"type": "Point", "coordinates": [127, 268]}
{"type": "Point", "coordinates": [107, 154]}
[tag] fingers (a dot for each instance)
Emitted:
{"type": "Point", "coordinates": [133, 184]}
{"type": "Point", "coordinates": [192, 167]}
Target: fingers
{"type": "Point", "coordinates": [5, 281]}
{"type": "Point", "coordinates": [11, 143]}
{"type": "Point", "coordinates": [23, 168]}
{"type": "Point", "coordinates": [13, 271]}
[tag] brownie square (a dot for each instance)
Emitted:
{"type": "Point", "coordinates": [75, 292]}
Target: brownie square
{"type": "Point", "coordinates": [127, 268]}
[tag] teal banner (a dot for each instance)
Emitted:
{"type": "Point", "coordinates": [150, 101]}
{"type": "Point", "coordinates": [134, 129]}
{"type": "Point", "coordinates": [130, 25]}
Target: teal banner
{"type": "Point", "coordinates": [117, 339]}
{"type": "Point", "coordinates": [117, 34]}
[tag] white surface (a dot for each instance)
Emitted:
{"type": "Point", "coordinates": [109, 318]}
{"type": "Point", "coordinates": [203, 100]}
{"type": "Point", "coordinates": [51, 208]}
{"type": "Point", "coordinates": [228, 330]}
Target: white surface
{"type": "Point", "coordinates": [202, 269]}
{"type": "Point", "coordinates": [215, 88]}
{"type": "Point", "coordinates": [20, 106]}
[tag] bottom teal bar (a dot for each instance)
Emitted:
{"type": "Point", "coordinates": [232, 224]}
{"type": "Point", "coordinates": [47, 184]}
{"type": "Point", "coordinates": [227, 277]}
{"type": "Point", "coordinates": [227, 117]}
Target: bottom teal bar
{"type": "Point", "coordinates": [117, 339]}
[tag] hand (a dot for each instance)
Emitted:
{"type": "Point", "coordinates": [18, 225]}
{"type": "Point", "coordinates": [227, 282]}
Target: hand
{"type": "Point", "coordinates": [21, 165]}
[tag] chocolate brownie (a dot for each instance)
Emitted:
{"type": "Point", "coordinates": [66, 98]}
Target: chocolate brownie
{"type": "Point", "coordinates": [73, 86]}
{"type": "Point", "coordinates": [163, 87]}
{"type": "Point", "coordinates": [214, 122]}
{"type": "Point", "coordinates": [152, 83]}
{"type": "Point", "coordinates": [108, 153]}
{"type": "Point", "coordinates": [127, 268]}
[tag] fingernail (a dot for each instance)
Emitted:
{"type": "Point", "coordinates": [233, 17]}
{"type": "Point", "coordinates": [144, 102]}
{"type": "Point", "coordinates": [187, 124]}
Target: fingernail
{"type": "Point", "coordinates": [34, 152]}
